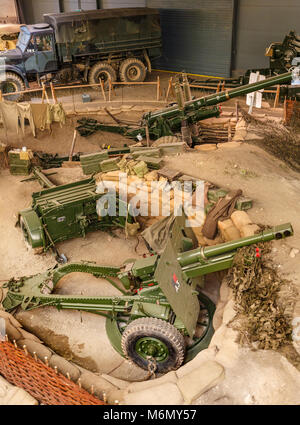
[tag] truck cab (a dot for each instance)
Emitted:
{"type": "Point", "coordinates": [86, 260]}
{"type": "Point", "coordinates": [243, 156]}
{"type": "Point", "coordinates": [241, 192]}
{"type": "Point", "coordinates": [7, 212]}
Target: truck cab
{"type": "Point", "coordinates": [37, 44]}
{"type": "Point", "coordinates": [34, 55]}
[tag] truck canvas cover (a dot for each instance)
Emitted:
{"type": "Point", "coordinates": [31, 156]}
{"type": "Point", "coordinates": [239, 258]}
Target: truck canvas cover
{"type": "Point", "coordinates": [101, 30]}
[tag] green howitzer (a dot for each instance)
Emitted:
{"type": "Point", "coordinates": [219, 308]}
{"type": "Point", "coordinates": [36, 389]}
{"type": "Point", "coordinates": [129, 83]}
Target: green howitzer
{"type": "Point", "coordinates": [183, 116]}
{"type": "Point", "coordinates": [169, 120]}
{"type": "Point", "coordinates": [161, 316]}
{"type": "Point", "coordinates": [67, 211]}
{"type": "Point", "coordinates": [41, 177]}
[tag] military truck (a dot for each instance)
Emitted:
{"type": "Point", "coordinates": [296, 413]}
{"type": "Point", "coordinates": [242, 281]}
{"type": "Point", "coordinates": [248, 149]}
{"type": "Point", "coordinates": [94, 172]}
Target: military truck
{"type": "Point", "coordinates": [88, 45]}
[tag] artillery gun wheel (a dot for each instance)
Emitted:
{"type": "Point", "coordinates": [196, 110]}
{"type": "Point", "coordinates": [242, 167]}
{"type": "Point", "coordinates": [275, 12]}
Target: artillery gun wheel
{"type": "Point", "coordinates": [132, 70]}
{"type": "Point", "coordinates": [12, 83]}
{"type": "Point", "coordinates": [154, 339]}
{"type": "Point", "coordinates": [103, 71]}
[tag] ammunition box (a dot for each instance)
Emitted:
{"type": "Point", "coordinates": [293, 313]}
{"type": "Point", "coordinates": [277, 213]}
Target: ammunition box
{"type": "Point", "coordinates": [243, 204]}
{"type": "Point", "coordinates": [109, 165]}
{"type": "Point", "coordinates": [91, 162]}
{"type": "Point", "coordinates": [140, 148]}
{"type": "Point", "coordinates": [146, 152]}
{"type": "Point", "coordinates": [19, 158]}
{"type": "Point", "coordinates": [152, 163]}
{"type": "Point", "coordinates": [215, 194]}
{"type": "Point", "coordinates": [20, 170]}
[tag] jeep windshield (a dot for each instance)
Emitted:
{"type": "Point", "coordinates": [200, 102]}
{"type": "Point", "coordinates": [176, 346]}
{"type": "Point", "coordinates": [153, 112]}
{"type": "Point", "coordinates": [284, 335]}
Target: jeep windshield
{"type": "Point", "coordinates": [23, 39]}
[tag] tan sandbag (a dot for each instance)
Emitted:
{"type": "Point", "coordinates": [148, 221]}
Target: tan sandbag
{"type": "Point", "coordinates": [240, 219]}
{"type": "Point", "coordinates": [228, 230]}
{"type": "Point", "coordinates": [10, 317]}
{"type": "Point", "coordinates": [29, 335]}
{"type": "Point", "coordinates": [35, 347]}
{"type": "Point", "coordinates": [249, 230]}
{"type": "Point", "coordinates": [151, 176]}
{"type": "Point", "coordinates": [12, 332]}
{"type": "Point", "coordinates": [65, 367]}
{"type": "Point", "coordinates": [90, 380]}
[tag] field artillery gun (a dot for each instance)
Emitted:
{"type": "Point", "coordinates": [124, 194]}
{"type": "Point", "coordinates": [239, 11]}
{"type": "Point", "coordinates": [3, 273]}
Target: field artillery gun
{"type": "Point", "coordinates": [67, 211]}
{"type": "Point", "coordinates": [188, 111]}
{"type": "Point", "coordinates": [161, 318]}
{"type": "Point", "coordinates": [183, 116]}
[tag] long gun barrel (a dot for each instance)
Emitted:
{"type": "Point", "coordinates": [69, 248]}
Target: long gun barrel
{"type": "Point", "coordinates": [214, 99]}
{"type": "Point", "coordinates": [198, 255]}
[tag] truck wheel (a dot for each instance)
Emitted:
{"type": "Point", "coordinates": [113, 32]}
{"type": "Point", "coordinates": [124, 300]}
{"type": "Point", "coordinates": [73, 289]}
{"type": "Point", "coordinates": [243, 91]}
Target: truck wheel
{"type": "Point", "coordinates": [12, 83]}
{"type": "Point", "coordinates": [132, 70]}
{"type": "Point", "coordinates": [153, 342]}
{"type": "Point", "coordinates": [102, 70]}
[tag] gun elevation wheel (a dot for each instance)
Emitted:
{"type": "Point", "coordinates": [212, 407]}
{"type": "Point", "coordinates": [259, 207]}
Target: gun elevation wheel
{"type": "Point", "coordinates": [153, 339]}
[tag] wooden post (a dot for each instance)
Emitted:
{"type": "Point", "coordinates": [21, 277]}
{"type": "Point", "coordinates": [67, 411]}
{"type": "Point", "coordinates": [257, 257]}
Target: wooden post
{"type": "Point", "coordinates": [285, 110]}
{"type": "Point", "coordinates": [223, 86]}
{"type": "Point", "coordinates": [102, 89]}
{"type": "Point", "coordinates": [1, 97]}
{"type": "Point", "coordinates": [43, 93]}
{"type": "Point", "coordinates": [109, 89]}
{"type": "Point", "coordinates": [169, 88]}
{"type": "Point", "coordinates": [172, 89]}
{"type": "Point", "coordinates": [112, 88]}
{"type": "Point", "coordinates": [53, 93]}
{"type": "Point", "coordinates": [218, 87]}
{"type": "Point", "coordinates": [72, 146]}
{"type": "Point", "coordinates": [237, 110]}
{"type": "Point", "coordinates": [277, 96]}
{"type": "Point", "coordinates": [158, 88]}
{"type": "Point", "coordinates": [229, 132]}
{"type": "Point", "coordinates": [147, 136]}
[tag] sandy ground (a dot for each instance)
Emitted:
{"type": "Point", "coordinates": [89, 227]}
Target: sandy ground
{"type": "Point", "coordinates": [274, 188]}
{"type": "Point", "coordinates": [268, 181]}
{"type": "Point", "coordinates": [81, 337]}
{"type": "Point", "coordinates": [272, 185]}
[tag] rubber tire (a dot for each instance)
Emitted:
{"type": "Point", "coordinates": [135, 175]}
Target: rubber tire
{"type": "Point", "coordinates": [15, 79]}
{"type": "Point", "coordinates": [154, 328]}
{"type": "Point", "coordinates": [98, 68]}
{"type": "Point", "coordinates": [132, 63]}
{"type": "Point", "coordinates": [166, 139]}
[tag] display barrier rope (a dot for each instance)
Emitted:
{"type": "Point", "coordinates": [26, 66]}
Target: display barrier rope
{"type": "Point", "coordinates": [41, 381]}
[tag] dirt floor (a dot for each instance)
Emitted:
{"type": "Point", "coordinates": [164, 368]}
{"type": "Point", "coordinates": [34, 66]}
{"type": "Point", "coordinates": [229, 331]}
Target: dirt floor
{"type": "Point", "coordinates": [270, 182]}
{"type": "Point", "coordinates": [272, 185]}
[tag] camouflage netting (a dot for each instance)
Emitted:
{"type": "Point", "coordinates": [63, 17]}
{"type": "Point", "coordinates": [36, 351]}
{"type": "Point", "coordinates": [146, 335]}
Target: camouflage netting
{"type": "Point", "coordinates": [279, 140]}
{"type": "Point", "coordinates": [264, 303]}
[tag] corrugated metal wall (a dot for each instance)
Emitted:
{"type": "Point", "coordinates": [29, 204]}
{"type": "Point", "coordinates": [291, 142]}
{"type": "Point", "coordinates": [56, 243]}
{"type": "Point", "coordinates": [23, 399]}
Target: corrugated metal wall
{"type": "Point", "coordinates": [197, 36]}
{"type": "Point", "coordinates": [88, 4]}
{"type": "Point", "coordinates": [259, 23]}
{"type": "Point", "coordinates": [33, 10]}
{"type": "Point", "coordinates": [111, 4]}
{"type": "Point", "coordinates": [70, 5]}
